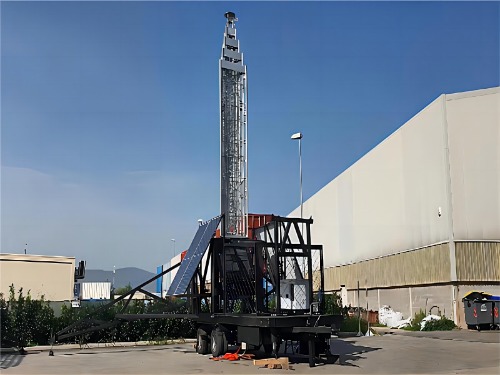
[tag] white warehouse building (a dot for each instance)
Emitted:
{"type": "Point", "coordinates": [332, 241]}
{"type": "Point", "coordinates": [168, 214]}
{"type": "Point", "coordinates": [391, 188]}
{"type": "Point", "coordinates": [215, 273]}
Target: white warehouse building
{"type": "Point", "coordinates": [416, 221]}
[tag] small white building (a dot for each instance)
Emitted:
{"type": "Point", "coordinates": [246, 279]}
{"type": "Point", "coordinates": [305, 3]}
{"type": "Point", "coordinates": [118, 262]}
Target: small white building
{"type": "Point", "coordinates": [49, 276]}
{"type": "Point", "coordinates": [95, 290]}
{"type": "Point", "coordinates": [163, 283]}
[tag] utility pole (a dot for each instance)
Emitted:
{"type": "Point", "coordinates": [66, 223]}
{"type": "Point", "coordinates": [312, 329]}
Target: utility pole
{"type": "Point", "coordinates": [359, 315]}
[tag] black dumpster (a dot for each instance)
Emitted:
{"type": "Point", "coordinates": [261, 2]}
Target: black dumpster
{"type": "Point", "coordinates": [496, 308]}
{"type": "Point", "coordinates": [478, 314]}
{"type": "Point", "coordinates": [481, 310]}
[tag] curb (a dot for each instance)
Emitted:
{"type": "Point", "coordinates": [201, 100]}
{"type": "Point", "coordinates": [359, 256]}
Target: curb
{"type": "Point", "coordinates": [383, 330]}
{"type": "Point", "coordinates": [107, 345]}
{"type": "Point", "coordinates": [8, 350]}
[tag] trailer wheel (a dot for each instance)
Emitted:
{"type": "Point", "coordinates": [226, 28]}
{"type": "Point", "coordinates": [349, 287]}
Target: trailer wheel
{"type": "Point", "coordinates": [272, 349]}
{"type": "Point", "coordinates": [218, 343]}
{"type": "Point", "coordinates": [202, 342]}
{"type": "Point", "coordinates": [268, 349]}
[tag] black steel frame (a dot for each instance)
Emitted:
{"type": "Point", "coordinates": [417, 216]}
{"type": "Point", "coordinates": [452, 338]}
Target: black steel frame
{"type": "Point", "coordinates": [213, 304]}
{"type": "Point", "coordinates": [226, 251]}
{"type": "Point", "coordinates": [89, 324]}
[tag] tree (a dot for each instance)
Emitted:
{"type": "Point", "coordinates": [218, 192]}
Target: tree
{"type": "Point", "coordinates": [123, 290]}
{"type": "Point", "coordinates": [29, 321]}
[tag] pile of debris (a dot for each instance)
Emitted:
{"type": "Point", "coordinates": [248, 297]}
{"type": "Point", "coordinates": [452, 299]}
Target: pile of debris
{"type": "Point", "coordinates": [270, 363]}
{"type": "Point", "coordinates": [273, 363]}
{"type": "Point", "coordinates": [394, 319]}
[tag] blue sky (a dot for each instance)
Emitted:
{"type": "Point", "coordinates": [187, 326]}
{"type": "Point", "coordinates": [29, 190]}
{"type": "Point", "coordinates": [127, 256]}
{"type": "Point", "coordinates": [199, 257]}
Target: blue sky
{"type": "Point", "coordinates": [110, 113]}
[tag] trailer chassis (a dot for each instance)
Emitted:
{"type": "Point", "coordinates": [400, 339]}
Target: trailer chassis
{"type": "Point", "coordinates": [261, 292]}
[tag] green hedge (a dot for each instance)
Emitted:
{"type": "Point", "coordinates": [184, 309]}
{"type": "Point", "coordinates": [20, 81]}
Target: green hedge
{"type": "Point", "coordinates": [351, 324]}
{"type": "Point", "coordinates": [27, 322]}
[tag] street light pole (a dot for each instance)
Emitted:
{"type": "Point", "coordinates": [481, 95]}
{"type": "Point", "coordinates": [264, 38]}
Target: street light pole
{"type": "Point", "coordinates": [300, 172]}
{"type": "Point", "coordinates": [173, 240]}
{"type": "Point", "coordinates": [299, 137]}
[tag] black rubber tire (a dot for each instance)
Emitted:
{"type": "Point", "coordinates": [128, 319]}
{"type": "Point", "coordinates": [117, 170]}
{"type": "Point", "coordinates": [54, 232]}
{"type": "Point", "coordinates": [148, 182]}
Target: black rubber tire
{"type": "Point", "coordinates": [268, 349]}
{"type": "Point", "coordinates": [322, 348]}
{"type": "Point", "coordinates": [202, 342]}
{"type": "Point", "coordinates": [218, 343]}
{"type": "Point", "coordinates": [303, 347]}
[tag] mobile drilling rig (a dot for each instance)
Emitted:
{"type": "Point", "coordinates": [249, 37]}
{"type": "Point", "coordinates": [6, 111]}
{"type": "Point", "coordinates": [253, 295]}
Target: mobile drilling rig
{"type": "Point", "coordinates": [257, 292]}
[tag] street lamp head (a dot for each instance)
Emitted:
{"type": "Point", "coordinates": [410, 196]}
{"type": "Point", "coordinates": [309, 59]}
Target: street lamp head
{"type": "Point", "coordinates": [297, 136]}
{"type": "Point", "coordinates": [173, 239]}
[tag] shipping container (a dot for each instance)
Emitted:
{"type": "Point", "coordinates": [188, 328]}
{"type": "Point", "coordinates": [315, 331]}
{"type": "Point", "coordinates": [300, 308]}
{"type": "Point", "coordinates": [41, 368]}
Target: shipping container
{"type": "Point", "coordinates": [256, 221]}
{"type": "Point", "coordinates": [95, 290]}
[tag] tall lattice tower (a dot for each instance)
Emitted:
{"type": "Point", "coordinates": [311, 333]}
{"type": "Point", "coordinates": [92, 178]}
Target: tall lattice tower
{"type": "Point", "coordinates": [233, 95]}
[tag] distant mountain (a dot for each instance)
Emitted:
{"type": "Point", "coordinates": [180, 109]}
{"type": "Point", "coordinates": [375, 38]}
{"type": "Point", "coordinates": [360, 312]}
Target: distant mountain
{"type": "Point", "coordinates": [123, 276]}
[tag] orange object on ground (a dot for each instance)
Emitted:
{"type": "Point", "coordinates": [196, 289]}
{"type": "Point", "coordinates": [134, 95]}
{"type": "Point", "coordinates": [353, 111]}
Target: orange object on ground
{"type": "Point", "coordinates": [228, 356]}
{"type": "Point", "coordinates": [233, 356]}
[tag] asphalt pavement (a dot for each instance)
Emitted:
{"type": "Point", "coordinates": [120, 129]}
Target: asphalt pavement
{"type": "Point", "coordinates": [455, 352]}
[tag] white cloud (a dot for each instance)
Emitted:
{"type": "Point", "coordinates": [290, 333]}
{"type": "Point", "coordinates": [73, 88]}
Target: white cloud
{"type": "Point", "coordinates": [125, 221]}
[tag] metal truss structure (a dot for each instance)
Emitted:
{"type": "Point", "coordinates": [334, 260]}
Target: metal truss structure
{"type": "Point", "coordinates": [261, 292]}
{"type": "Point", "coordinates": [233, 95]}
{"type": "Point", "coordinates": [278, 273]}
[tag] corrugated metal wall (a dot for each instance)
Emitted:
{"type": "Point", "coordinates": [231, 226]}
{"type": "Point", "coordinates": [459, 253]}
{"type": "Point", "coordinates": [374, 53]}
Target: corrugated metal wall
{"type": "Point", "coordinates": [425, 266]}
{"type": "Point", "coordinates": [475, 261]}
{"type": "Point", "coordinates": [95, 290]}
{"type": "Point", "coordinates": [478, 261]}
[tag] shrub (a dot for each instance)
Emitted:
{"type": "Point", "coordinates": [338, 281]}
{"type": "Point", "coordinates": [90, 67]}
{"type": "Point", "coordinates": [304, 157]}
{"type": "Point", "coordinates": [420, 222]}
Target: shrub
{"type": "Point", "coordinates": [415, 323]}
{"type": "Point", "coordinates": [5, 322]}
{"type": "Point", "coordinates": [121, 291]}
{"type": "Point", "coordinates": [443, 324]}
{"type": "Point", "coordinates": [25, 321]}
{"type": "Point", "coordinates": [333, 304]}
{"type": "Point", "coordinates": [351, 324]}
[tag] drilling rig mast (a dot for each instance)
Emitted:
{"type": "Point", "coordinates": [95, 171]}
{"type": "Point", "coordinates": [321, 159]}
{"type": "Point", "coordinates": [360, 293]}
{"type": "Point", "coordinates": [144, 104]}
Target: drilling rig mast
{"type": "Point", "coordinates": [233, 95]}
{"type": "Point", "coordinates": [250, 291]}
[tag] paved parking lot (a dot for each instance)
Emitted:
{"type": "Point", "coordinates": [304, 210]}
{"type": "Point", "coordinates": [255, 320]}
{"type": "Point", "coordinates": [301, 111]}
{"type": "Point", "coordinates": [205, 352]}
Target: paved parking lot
{"type": "Point", "coordinates": [400, 353]}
